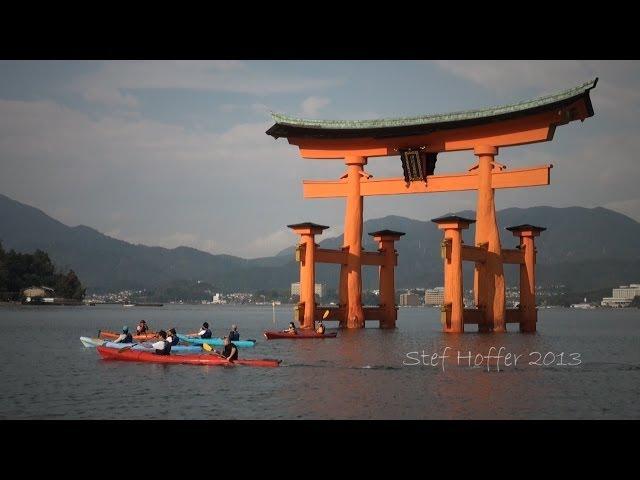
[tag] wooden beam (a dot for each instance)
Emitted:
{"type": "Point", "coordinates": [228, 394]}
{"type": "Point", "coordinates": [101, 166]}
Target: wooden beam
{"type": "Point", "coordinates": [519, 177]}
{"type": "Point", "coordinates": [472, 316]}
{"type": "Point", "coordinates": [519, 131]}
{"type": "Point", "coordinates": [373, 313]}
{"type": "Point", "coordinates": [474, 254]}
{"type": "Point", "coordinates": [513, 315]}
{"type": "Point", "coordinates": [372, 258]}
{"type": "Point", "coordinates": [512, 255]}
{"type": "Point", "coordinates": [325, 255]}
{"type": "Point", "coordinates": [335, 313]}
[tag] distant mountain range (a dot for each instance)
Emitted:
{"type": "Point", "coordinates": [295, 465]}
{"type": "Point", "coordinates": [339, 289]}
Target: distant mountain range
{"type": "Point", "coordinates": [584, 249]}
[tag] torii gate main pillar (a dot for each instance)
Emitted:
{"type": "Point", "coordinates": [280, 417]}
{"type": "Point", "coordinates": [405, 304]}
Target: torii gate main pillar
{"type": "Point", "coordinates": [488, 282]}
{"type": "Point", "coordinates": [352, 271]}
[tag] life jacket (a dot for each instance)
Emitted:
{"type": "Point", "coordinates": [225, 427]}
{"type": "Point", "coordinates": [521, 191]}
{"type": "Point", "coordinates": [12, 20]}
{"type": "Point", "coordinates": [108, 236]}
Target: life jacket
{"type": "Point", "coordinates": [234, 336]}
{"type": "Point", "coordinates": [227, 351]}
{"type": "Point", "coordinates": [206, 334]}
{"type": "Point", "coordinates": [127, 339]}
{"type": "Point", "coordinates": [142, 329]}
{"type": "Point", "coordinates": [166, 350]}
{"type": "Point", "coordinates": [174, 340]}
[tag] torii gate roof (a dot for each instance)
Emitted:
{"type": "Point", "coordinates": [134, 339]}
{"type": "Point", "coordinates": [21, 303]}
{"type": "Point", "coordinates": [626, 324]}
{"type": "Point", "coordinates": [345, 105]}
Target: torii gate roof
{"type": "Point", "coordinates": [287, 126]}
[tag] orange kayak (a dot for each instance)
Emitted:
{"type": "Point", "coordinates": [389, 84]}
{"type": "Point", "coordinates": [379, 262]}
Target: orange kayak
{"type": "Point", "coordinates": [106, 334]}
{"type": "Point", "coordinates": [200, 359]}
{"type": "Point", "coordinates": [302, 334]}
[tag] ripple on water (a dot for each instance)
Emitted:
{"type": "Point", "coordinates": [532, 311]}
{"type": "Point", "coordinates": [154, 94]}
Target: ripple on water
{"type": "Point", "coordinates": [356, 375]}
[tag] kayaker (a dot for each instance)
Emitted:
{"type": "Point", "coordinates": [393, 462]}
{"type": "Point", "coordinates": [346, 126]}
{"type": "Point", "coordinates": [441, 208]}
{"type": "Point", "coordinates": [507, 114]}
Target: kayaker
{"type": "Point", "coordinates": [173, 337]}
{"type": "Point", "coordinates": [230, 351]}
{"type": "Point", "coordinates": [125, 336]}
{"type": "Point", "coordinates": [204, 331]}
{"type": "Point", "coordinates": [234, 334]}
{"type": "Point", "coordinates": [320, 328]}
{"type": "Point", "coordinates": [291, 329]}
{"type": "Point", "coordinates": [142, 328]}
{"type": "Point", "coordinates": [162, 347]}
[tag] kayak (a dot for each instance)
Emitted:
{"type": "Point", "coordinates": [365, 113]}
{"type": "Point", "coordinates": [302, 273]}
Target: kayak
{"type": "Point", "coordinates": [218, 342]}
{"type": "Point", "coordinates": [113, 335]}
{"type": "Point", "coordinates": [97, 342]}
{"type": "Point", "coordinates": [298, 336]}
{"type": "Point", "coordinates": [202, 359]}
{"type": "Point", "coordinates": [91, 342]}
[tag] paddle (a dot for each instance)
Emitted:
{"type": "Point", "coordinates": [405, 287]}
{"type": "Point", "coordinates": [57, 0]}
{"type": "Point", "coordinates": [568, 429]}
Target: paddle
{"type": "Point", "coordinates": [324, 316]}
{"type": "Point", "coordinates": [131, 345]}
{"type": "Point", "coordinates": [209, 348]}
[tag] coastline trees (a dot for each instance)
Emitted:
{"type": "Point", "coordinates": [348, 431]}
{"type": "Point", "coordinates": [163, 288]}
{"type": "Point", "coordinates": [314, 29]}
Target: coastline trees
{"type": "Point", "coordinates": [21, 270]}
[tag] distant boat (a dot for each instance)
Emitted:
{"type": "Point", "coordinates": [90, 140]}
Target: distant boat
{"type": "Point", "coordinates": [128, 305]}
{"type": "Point", "coordinates": [148, 304]}
{"type": "Point", "coordinates": [583, 306]}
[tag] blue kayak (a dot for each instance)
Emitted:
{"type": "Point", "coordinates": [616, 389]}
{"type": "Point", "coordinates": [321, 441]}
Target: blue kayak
{"type": "Point", "coordinates": [146, 346]}
{"type": "Point", "coordinates": [218, 342]}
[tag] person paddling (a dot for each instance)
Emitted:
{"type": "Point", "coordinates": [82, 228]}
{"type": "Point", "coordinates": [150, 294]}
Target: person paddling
{"type": "Point", "coordinates": [230, 351]}
{"type": "Point", "coordinates": [162, 347]}
{"type": "Point", "coordinates": [125, 336]}
{"type": "Point", "coordinates": [204, 331]}
{"type": "Point", "coordinates": [172, 337]}
{"type": "Point", "coordinates": [320, 328]}
{"type": "Point", "coordinates": [234, 334]}
{"type": "Point", "coordinates": [142, 328]}
{"type": "Point", "coordinates": [291, 328]}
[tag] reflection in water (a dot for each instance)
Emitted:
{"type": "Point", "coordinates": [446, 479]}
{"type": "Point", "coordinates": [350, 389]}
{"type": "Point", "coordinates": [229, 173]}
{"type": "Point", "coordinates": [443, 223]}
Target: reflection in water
{"type": "Point", "coordinates": [47, 373]}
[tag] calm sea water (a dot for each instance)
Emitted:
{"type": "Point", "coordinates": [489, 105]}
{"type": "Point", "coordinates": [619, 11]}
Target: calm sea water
{"type": "Point", "coordinates": [47, 373]}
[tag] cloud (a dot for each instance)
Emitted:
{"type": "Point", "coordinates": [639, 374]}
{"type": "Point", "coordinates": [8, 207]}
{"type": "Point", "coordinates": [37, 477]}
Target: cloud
{"type": "Point", "coordinates": [115, 81]}
{"type": "Point", "coordinates": [616, 91]}
{"type": "Point", "coordinates": [143, 180]}
{"type": "Point", "coordinates": [630, 207]}
{"type": "Point", "coordinates": [112, 97]}
{"type": "Point", "coordinates": [312, 105]}
{"type": "Point", "coordinates": [189, 239]}
{"type": "Point", "coordinates": [271, 243]}
{"type": "Point", "coordinates": [500, 75]}
{"type": "Point", "coordinates": [252, 108]}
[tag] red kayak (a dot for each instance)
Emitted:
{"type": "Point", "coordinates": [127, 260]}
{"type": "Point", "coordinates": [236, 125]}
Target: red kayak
{"type": "Point", "coordinates": [303, 334]}
{"type": "Point", "coordinates": [199, 359]}
{"type": "Point", "coordinates": [111, 335]}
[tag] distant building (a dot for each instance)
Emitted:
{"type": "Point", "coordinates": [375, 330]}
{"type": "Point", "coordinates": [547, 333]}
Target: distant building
{"type": "Point", "coordinates": [622, 296]}
{"type": "Point", "coordinates": [409, 300]}
{"type": "Point", "coordinates": [38, 292]}
{"type": "Point", "coordinates": [217, 298]}
{"type": "Point", "coordinates": [434, 296]}
{"type": "Point", "coordinates": [584, 305]}
{"type": "Point", "coordinates": [319, 289]}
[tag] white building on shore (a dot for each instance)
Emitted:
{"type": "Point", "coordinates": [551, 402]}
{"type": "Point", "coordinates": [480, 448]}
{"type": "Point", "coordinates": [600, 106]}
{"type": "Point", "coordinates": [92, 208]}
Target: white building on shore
{"type": "Point", "coordinates": [319, 289]}
{"type": "Point", "coordinates": [409, 300]}
{"type": "Point", "coordinates": [622, 296]}
{"type": "Point", "coordinates": [434, 296]}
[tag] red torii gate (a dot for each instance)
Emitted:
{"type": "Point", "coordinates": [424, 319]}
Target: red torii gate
{"type": "Point", "coordinates": [418, 141]}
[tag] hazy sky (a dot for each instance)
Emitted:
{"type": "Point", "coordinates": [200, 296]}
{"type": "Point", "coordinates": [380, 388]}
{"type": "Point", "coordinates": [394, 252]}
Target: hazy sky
{"type": "Point", "coordinates": [174, 152]}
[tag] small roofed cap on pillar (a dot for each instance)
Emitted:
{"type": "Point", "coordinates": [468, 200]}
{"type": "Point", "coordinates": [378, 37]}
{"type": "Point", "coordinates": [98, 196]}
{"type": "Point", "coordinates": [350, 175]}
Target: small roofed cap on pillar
{"type": "Point", "coordinates": [525, 227]}
{"type": "Point", "coordinates": [386, 233]}
{"type": "Point", "coordinates": [451, 218]}
{"type": "Point", "coordinates": [307, 225]}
